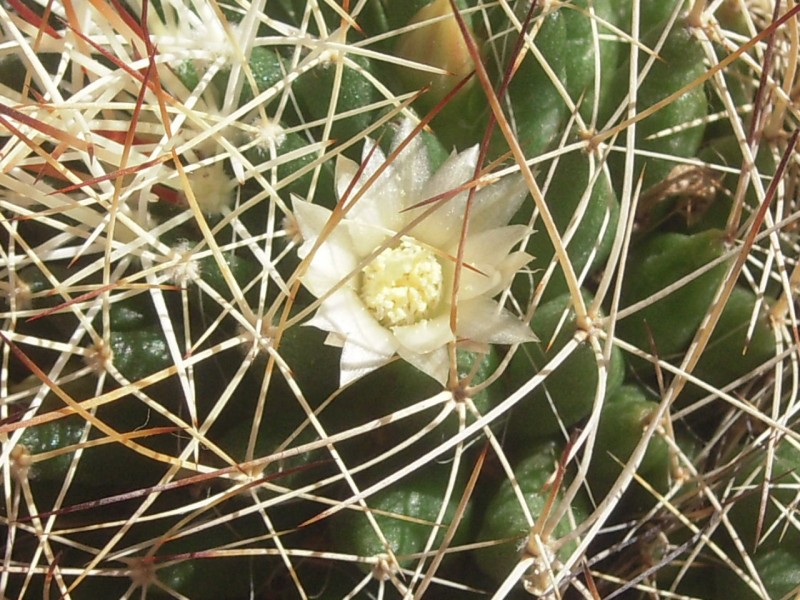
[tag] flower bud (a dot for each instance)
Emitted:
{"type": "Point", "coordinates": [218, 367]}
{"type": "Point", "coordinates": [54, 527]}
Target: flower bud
{"type": "Point", "coordinates": [437, 42]}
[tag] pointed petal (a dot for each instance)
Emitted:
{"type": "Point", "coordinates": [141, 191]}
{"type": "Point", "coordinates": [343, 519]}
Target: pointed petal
{"type": "Point", "coordinates": [365, 238]}
{"type": "Point", "coordinates": [434, 364]}
{"type": "Point", "coordinates": [344, 314]}
{"type": "Point", "coordinates": [358, 361]}
{"type": "Point", "coordinates": [425, 336]}
{"type": "Point", "coordinates": [478, 280]}
{"type": "Point", "coordinates": [488, 267]}
{"type": "Point", "coordinates": [455, 171]}
{"type": "Point", "coordinates": [345, 172]}
{"type": "Point", "coordinates": [490, 280]}
{"type": "Point", "coordinates": [382, 203]}
{"type": "Point", "coordinates": [497, 204]}
{"type": "Point", "coordinates": [412, 165]}
{"type": "Point", "coordinates": [310, 218]}
{"type": "Point", "coordinates": [443, 226]}
{"type": "Point", "coordinates": [334, 340]}
{"type": "Point", "coordinates": [493, 245]}
{"type": "Point", "coordinates": [512, 265]}
{"type": "Point", "coordinates": [334, 260]}
{"type": "Point", "coordinates": [372, 157]}
{"type": "Point", "coordinates": [483, 320]}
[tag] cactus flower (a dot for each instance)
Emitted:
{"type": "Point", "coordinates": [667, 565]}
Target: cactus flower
{"type": "Point", "coordinates": [386, 281]}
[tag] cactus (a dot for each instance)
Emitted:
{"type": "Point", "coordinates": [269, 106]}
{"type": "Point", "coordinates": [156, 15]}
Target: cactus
{"type": "Point", "coordinates": [398, 298]}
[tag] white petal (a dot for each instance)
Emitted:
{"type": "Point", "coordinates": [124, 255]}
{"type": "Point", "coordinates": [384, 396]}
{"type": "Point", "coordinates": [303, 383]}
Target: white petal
{"type": "Point", "coordinates": [455, 171]}
{"type": "Point", "coordinates": [488, 268]}
{"type": "Point", "coordinates": [435, 364]}
{"type": "Point", "coordinates": [382, 203]}
{"type": "Point", "coordinates": [344, 314]}
{"type": "Point", "coordinates": [479, 280]}
{"type": "Point", "coordinates": [495, 205]}
{"type": "Point", "coordinates": [483, 320]}
{"type": "Point", "coordinates": [358, 361]}
{"type": "Point", "coordinates": [444, 225]}
{"type": "Point", "coordinates": [365, 238]}
{"type": "Point", "coordinates": [372, 157]}
{"type": "Point", "coordinates": [493, 245]}
{"type": "Point", "coordinates": [334, 260]}
{"type": "Point", "coordinates": [346, 171]}
{"type": "Point", "coordinates": [510, 267]}
{"type": "Point", "coordinates": [333, 339]}
{"type": "Point", "coordinates": [425, 336]}
{"type": "Point", "coordinates": [412, 165]}
{"type": "Point", "coordinates": [310, 218]}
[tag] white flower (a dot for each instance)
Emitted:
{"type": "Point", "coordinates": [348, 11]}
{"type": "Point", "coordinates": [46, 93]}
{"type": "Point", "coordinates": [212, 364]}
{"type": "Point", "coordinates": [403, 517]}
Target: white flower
{"type": "Point", "coordinates": [400, 301]}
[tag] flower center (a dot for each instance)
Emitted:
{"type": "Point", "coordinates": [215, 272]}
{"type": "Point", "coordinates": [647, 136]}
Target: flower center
{"type": "Point", "coordinates": [403, 285]}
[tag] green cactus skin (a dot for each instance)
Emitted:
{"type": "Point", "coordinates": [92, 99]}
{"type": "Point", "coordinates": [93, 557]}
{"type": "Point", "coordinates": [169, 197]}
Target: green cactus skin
{"type": "Point", "coordinates": [725, 151]}
{"type": "Point", "coordinates": [571, 386]}
{"type": "Point", "coordinates": [652, 13]}
{"type": "Point", "coordinates": [538, 109]}
{"type": "Point", "coordinates": [729, 354]}
{"type": "Point", "coordinates": [653, 266]}
{"type": "Point", "coordinates": [503, 517]}
{"type": "Point", "coordinates": [778, 568]}
{"type": "Point", "coordinates": [680, 62]}
{"type": "Point", "coordinates": [580, 53]}
{"type": "Point", "coordinates": [775, 531]}
{"type": "Point", "coordinates": [102, 470]}
{"type": "Point", "coordinates": [595, 232]}
{"type": "Point", "coordinates": [314, 88]}
{"type": "Point", "coordinates": [406, 513]}
{"type": "Point", "coordinates": [625, 415]}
